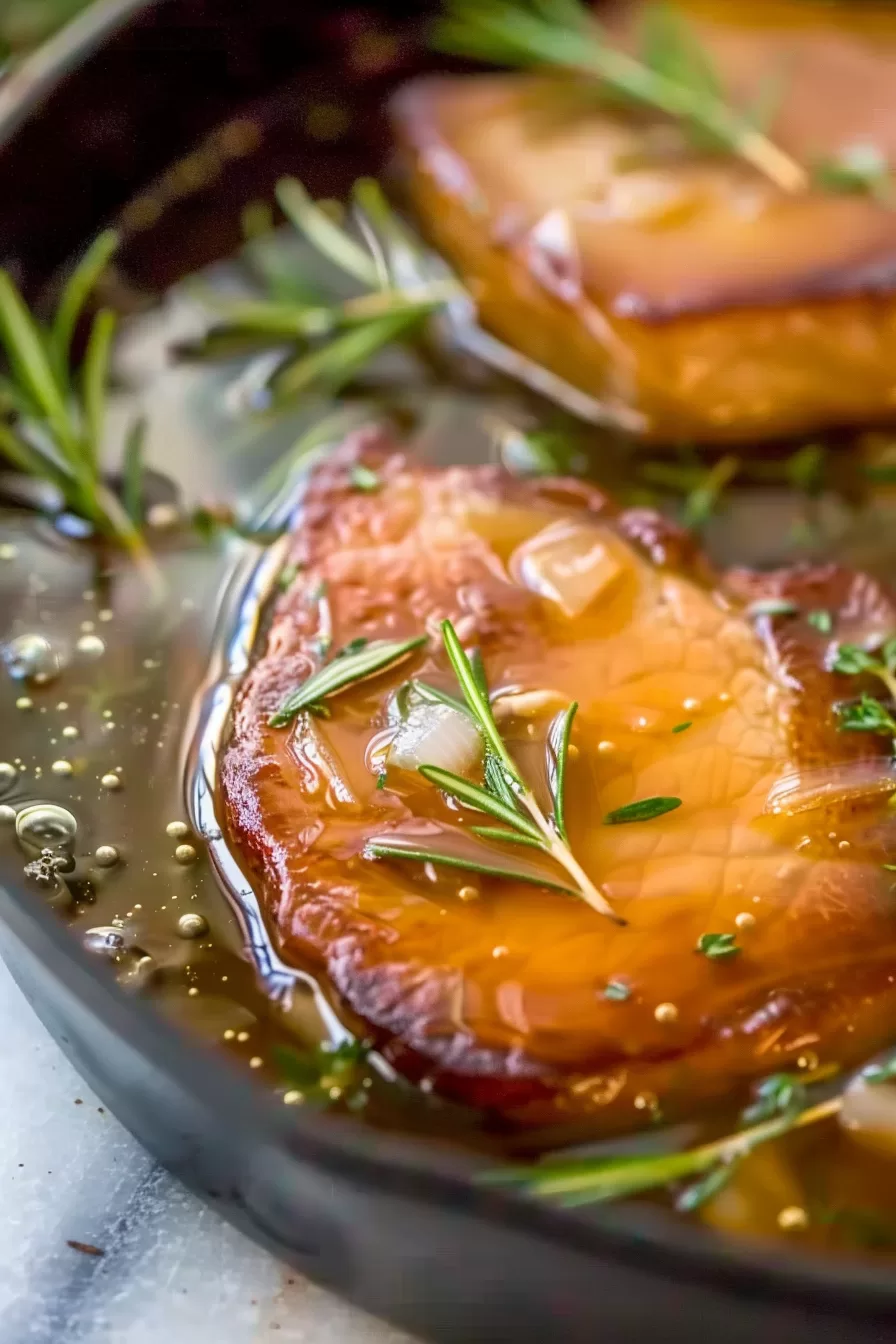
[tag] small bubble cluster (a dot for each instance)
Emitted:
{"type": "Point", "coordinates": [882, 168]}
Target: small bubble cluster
{"type": "Point", "coordinates": [46, 869]}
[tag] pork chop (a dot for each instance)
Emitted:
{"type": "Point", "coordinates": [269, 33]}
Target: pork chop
{"type": "Point", "coordinates": [690, 295]}
{"type": "Point", "coordinates": [511, 996]}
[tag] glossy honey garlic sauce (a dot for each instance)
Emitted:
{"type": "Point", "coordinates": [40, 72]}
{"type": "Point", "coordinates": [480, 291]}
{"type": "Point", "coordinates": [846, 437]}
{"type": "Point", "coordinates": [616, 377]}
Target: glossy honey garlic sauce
{"type": "Point", "coordinates": [522, 999]}
{"type": "Point", "coordinates": [700, 940]}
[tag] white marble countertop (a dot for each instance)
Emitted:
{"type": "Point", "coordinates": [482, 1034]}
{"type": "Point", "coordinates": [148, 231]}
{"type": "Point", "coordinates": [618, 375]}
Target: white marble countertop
{"type": "Point", "coordinates": [171, 1268]}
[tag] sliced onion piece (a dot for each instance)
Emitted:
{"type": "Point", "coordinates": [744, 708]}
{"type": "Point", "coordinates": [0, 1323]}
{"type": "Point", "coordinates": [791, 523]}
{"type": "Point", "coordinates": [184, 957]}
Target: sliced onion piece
{"type": "Point", "coordinates": [569, 563]}
{"type": "Point", "coordinates": [434, 734]}
{"type": "Point", "coordinates": [527, 704]}
{"type": "Point", "coordinates": [868, 1115]}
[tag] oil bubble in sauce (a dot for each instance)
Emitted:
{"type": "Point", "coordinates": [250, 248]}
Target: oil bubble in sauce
{"type": "Point", "coordinates": [32, 657]}
{"type": "Point", "coordinates": [46, 826]}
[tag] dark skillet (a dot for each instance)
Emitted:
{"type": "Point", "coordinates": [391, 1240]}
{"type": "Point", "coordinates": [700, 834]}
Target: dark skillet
{"type": "Point", "coordinates": [392, 1224]}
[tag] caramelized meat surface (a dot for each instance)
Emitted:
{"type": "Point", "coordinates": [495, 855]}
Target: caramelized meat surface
{"type": "Point", "coordinates": [506, 994]}
{"type": "Point", "coordinates": [686, 293]}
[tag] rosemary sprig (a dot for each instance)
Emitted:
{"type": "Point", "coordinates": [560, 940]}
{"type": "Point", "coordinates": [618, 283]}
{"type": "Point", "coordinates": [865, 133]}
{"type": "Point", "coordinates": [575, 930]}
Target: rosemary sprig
{"type": "Point", "coordinates": [782, 1104]}
{"type": "Point", "coordinates": [393, 848]}
{"type": "Point", "coordinates": [346, 669]}
{"type": "Point", "coordinates": [671, 74]}
{"type": "Point", "coordinates": [506, 796]}
{"type": "Point", "coordinates": [327, 343]}
{"type": "Point", "coordinates": [54, 425]}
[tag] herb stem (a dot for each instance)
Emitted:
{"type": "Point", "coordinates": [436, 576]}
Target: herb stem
{"type": "Point", "coordinates": [552, 842]}
{"type": "Point", "coordinates": [563, 855]}
{"type": "Point", "coordinates": [568, 37]}
{"type": "Point", "coordinates": [677, 100]}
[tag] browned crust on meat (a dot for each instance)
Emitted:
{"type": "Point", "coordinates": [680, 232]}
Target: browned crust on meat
{"type": "Point", "coordinates": [842, 1005]}
{"type": "Point", "coordinates": [721, 325]}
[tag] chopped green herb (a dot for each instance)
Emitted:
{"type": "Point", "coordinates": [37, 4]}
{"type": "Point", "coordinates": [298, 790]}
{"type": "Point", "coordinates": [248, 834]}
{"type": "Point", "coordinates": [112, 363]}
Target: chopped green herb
{"type": "Point", "coordinates": [880, 1070]}
{"type": "Point", "coordinates": [328, 1074]}
{"type": "Point", "coordinates": [704, 499]}
{"type": "Point", "coordinates": [353, 646]}
{"type": "Point", "coordinates": [718, 946]}
{"type": "Point", "coordinates": [821, 621]}
{"type": "Point", "coordinates": [867, 715]}
{"type": "Point", "coordinates": [779, 1094]}
{"type": "Point", "coordinates": [343, 672]}
{"type": "Point", "coordinates": [381, 780]}
{"type": "Point", "coordinates": [890, 867]}
{"type": "Point", "coordinates": [859, 169]}
{"type": "Point", "coordinates": [694, 1196]}
{"type": "Point", "coordinates": [772, 606]}
{"type": "Point", "coordinates": [644, 810]}
{"type": "Point", "coordinates": [851, 660]}
{"type": "Point", "coordinates": [617, 991]}
{"type": "Point", "coordinates": [287, 577]}
{"type": "Point", "coordinates": [805, 469]}
{"type": "Point", "coordinates": [365, 480]}
{"type": "Point", "coordinates": [682, 727]}
{"type": "Point", "coordinates": [542, 452]}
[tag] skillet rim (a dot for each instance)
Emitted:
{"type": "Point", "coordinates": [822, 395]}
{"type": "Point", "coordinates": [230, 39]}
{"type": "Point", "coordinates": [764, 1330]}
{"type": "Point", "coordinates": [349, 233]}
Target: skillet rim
{"type": "Point", "coordinates": [401, 1166]}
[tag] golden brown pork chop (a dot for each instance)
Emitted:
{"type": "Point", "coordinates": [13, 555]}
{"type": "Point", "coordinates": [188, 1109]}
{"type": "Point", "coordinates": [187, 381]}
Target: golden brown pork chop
{"type": "Point", "coordinates": [688, 293]}
{"type": "Point", "coordinates": [496, 989]}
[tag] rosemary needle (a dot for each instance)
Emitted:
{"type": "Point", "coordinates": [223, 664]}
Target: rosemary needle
{"type": "Point", "coordinates": [783, 1104]}
{"type": "Point", "coordinates": [56, 422]}
{"type": "Point", "coordinates": [672, 75]}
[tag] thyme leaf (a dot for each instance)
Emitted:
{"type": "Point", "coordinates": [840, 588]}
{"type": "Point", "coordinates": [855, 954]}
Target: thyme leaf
{"type": "Point", "coordinates": [822, 621]}
{"type": "Point", "coordinates": [364, 479]}
{"type": "Point", "coordinates": [718, 946]}
{"type": "Point", "coordinates": [859, 169]}
{"type": "Point", "coordinates": [617, 991]}
{"type": "Point", "coordinates": [867, 714]}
